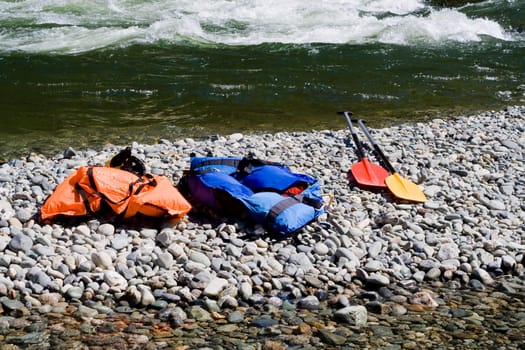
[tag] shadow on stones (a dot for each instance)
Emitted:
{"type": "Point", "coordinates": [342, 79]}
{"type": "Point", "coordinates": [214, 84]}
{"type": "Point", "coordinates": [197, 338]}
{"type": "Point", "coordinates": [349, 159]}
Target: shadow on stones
{"type": "Point", "coordinates": [352, 182]}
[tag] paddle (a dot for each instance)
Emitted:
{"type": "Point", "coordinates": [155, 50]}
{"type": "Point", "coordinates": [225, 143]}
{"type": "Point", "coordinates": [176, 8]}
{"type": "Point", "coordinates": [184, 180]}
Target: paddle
{"type": "Point", "coordinates": [399, 186]}
{"type": "Point", "coordinates": [364, 172]}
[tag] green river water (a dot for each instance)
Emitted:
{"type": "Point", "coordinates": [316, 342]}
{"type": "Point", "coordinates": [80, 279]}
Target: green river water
{"type": "Point", "coordinates": [82, 75]}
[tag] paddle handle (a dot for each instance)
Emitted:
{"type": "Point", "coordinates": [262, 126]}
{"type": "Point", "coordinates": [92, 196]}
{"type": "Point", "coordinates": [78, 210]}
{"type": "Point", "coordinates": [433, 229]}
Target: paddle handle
{"type": "Point", "coordinates": [359, 145]}
{"type": "Point", "coordinates": [378, 150]}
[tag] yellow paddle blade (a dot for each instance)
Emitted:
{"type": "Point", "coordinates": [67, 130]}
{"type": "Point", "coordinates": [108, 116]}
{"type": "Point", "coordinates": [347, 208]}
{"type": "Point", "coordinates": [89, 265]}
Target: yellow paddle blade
{"type": "Point", "coordinates": [404, 188]}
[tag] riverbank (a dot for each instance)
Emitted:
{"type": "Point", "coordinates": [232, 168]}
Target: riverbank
{"type": "Point", "coordinates": [368, 274]}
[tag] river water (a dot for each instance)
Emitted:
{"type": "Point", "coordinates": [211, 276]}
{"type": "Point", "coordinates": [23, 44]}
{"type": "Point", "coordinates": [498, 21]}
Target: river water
{"type": "Point", "coordinates": [85, 73]}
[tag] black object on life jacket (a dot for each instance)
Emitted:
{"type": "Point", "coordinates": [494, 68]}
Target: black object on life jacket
{"type": "Point", "coordinates": [124, 160]}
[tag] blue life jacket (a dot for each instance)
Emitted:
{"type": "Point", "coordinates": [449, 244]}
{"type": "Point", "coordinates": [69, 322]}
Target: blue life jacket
{"type": "Point", "coordinates": [271, 194]}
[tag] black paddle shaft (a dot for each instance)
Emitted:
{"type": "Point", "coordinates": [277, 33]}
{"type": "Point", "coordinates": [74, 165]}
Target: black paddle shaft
{"type": "Point", "coordinates": [376, 147]}
{"type": "Point", "coordinates": [359, 145]}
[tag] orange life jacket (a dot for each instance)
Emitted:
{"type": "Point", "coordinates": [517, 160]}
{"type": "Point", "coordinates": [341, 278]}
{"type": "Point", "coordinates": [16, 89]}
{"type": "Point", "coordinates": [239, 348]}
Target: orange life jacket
{"type": "Point", "coordinates": [90, 187]}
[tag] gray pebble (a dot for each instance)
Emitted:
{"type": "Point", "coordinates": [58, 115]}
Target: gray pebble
{"type": "Point", "coordinates": [354, 315]}
{"type": "Point", "coordinates": [21, 242]}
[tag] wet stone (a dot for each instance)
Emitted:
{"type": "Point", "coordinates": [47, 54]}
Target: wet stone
{"type": "Point", "coordinates": [236, 317]}
{"type": "Point", "coordinates": [310, 303]}
{"type": "Point", "coordinates": [460, 313]}
{"type": "Point", "coordinates": [11, 304]}
{"type": "Point", "coordinates": [331, 338]}
{"type": "Point", "coordinates": [263, 322]}
{"type": "Point", "coordinates": [28, 339]}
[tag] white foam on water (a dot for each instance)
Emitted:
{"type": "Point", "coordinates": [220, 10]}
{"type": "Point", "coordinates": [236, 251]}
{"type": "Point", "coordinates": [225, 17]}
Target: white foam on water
{"type": "Point", "coordinates": [393, 6]}
{"type": "Point", "coordinates": [65, 26]}
{"type": "Point", "coordinates": [439, 26]}
{"type": "Point", "coordinates": [73, 39]}
{"type": "Point", "coordinates": [379, 97]}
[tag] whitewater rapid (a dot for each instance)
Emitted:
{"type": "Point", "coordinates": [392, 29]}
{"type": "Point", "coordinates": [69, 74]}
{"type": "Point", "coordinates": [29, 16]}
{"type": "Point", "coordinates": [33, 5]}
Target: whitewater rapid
{"type": "Point", "coordinates": [69, 27]}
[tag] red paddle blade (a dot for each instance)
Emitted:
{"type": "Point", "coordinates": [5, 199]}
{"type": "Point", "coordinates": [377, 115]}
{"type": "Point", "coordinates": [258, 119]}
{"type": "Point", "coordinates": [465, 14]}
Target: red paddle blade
{"type": "Point", "coordinates": [369, 174]}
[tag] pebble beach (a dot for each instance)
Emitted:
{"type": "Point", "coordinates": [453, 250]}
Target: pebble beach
{"type": "Point", "coordinates": [373, 272]}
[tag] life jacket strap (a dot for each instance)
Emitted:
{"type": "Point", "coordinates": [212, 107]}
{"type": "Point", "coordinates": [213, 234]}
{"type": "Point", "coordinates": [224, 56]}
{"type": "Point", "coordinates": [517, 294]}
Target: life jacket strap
{"type": "Point", "coordinates": [150, 181]}
{"type": "Point", "coordinates": [91, 178]}
{"type": "Point", "coordinates": [316, 203]}
{"type": "Point", "coordinates": [279, 207]}
{"type": "Point", "coordinates": [85, 198]}
{"type": "Point", "coordinates": [286, 203]}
